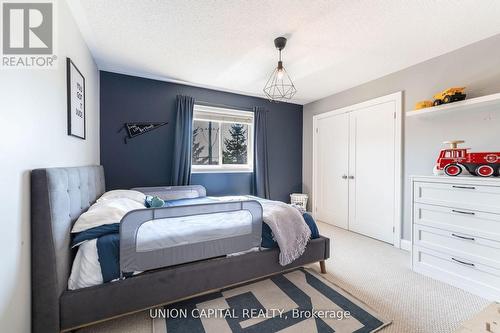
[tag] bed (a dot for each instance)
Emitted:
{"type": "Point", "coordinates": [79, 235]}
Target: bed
{"type": "Point", "coordinates": [59, 196]}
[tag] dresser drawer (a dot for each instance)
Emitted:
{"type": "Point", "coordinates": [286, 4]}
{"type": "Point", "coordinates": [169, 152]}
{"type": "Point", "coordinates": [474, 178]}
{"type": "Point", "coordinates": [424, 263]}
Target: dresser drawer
{"type": "Point", "coordinates": [468, 222]}
{"type": "Point", "coordinates": [477, 278]}
{"type": "Point", "coordinates": [465, 246]}
{"type": "Point", "coordinates": [474, 197]}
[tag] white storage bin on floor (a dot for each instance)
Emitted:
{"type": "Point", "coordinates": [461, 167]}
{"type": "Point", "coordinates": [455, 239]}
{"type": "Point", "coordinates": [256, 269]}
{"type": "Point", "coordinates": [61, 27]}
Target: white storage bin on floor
{"type": "Point", "coordinates": [299, 199]}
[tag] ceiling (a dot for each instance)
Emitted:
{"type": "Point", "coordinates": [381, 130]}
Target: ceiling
{"type": "Point", "coordinates": [332, 45]}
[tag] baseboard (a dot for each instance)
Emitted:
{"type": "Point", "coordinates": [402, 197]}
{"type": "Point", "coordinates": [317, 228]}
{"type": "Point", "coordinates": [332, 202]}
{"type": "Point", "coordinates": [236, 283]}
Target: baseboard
{"type": "Point", "coordinates": [405, 245]}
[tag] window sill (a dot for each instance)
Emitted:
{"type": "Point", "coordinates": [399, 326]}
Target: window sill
{"type": "Point", "coordinates": [194, 171]}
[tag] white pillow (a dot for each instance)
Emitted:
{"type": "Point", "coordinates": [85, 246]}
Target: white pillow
{"type": "Point", "coordinates": [106, 211]}
{"type": "Point", "coordinates": [129, 194]}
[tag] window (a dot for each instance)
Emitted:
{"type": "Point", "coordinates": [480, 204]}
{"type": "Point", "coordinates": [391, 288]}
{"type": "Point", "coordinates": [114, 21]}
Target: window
{"type": "Point", "coordinates": [222, 140]}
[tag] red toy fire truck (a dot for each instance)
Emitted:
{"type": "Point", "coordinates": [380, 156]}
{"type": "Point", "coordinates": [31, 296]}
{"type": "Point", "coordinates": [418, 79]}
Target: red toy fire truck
{"type": "Point", "coordinates": [454, 160]}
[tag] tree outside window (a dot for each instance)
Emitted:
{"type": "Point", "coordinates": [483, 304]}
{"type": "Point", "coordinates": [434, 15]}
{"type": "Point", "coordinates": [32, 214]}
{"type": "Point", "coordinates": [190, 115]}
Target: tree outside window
{"type": "Point", "coordinates": [234, 150]}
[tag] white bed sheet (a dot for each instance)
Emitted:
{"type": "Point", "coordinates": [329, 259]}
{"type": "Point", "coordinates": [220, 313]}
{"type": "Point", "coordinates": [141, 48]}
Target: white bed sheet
{"type": "Point", "coordinates": [171, 232]}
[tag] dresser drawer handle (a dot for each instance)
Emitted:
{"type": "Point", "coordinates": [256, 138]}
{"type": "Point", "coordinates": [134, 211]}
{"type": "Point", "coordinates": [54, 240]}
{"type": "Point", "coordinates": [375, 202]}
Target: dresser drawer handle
{"type": "Point", "coordinates": [463, 237]}
{"type": "Point", "coordinates": [463, 262]}
{"type": "Point", "coordinates": [465, 187]}
{"type": "Point", "coordinates": [462, 212]}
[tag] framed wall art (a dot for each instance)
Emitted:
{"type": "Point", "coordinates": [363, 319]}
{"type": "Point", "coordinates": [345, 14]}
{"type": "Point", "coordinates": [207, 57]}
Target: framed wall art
{"type": "Point", "coordinates": [76, 100]}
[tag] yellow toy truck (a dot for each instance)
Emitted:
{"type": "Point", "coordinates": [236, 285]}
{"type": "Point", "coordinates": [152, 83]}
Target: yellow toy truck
{"type": "Point", "coordinates": [449, 95]}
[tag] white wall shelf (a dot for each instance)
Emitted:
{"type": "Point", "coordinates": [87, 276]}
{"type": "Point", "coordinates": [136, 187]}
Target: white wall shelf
{"type": "Point", "coordinates": [473, 104]}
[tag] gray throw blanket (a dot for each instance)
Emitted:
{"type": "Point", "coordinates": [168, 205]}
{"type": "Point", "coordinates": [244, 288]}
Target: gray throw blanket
{"type": "Point", "coordinates": [288, 227]}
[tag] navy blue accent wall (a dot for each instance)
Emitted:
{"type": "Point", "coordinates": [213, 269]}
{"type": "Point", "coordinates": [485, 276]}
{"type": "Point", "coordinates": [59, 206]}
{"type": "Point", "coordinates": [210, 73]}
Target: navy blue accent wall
{"type": "Point", "coordinates": [147, 159]}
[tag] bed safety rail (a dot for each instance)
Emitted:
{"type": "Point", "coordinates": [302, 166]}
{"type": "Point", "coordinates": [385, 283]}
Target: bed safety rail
{"type": "Point", "coordinates": [174, 192]}
{"type": "Point", "coordinates": [134, 260]}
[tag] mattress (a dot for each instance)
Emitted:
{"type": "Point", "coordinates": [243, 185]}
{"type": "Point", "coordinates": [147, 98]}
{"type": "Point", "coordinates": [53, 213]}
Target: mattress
{"type": "Point", "coordinates": [86, 270]}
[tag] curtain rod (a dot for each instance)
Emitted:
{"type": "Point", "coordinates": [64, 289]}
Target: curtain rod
{"type": "Point", "coordinates": [215, 105]}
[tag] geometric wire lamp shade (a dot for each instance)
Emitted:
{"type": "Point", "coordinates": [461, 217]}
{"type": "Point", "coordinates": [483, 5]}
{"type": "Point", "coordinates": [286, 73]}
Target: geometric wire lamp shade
{"type": "Point", "coordinates": [279, 86]}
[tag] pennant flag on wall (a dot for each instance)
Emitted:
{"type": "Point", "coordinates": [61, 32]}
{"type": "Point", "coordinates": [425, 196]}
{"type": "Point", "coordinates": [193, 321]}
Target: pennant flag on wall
{"type": "Point", "coordinates": [136, 129]}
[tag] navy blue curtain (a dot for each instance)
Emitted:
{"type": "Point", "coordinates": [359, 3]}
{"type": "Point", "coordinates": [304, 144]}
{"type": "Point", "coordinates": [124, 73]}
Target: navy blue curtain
{"type": "Point", "coordinates": [260, 157]}
{"type": "Point", "coordinates": [183, 145]}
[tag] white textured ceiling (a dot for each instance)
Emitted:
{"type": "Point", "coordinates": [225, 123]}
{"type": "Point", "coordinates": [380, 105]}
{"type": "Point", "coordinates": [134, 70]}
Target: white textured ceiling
{"type": "Point", "coordinates": [228, 45]}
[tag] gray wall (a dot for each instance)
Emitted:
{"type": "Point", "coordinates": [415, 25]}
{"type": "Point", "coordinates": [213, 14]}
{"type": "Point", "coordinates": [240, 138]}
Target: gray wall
{"type": "Point", "coordinates": [476, 66]}
{"type": "Point", "coordinates": [34, 135]}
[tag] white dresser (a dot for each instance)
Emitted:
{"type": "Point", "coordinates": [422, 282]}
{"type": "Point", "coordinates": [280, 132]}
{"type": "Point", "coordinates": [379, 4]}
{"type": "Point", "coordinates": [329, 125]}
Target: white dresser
{"type": "Point", "coordinates": [456, 231]}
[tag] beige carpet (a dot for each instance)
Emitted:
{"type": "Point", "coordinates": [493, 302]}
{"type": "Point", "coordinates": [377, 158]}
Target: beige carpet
{"type": "Point", "coordinates": [380, 275]}
{"type": "Point", "coordinates": [377, 274]}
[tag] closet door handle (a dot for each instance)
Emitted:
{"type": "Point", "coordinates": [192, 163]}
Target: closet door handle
{"type": "Point", "coordinates": [463, 262]}
{"type": "Point", "coordinates": [465, 187]}
{"type": "Point", "coordinates": [462, 212]}
{"type": "Point", "coordinates": [463, 237]}
{"type": "Point", "coordinates": [351, 177]}
{"type": "Point", "coordinates": [344, 177]}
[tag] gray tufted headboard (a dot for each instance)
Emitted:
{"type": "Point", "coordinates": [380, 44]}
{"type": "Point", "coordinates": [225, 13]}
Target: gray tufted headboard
{"type": "Point", "coordinates": [58, 197]}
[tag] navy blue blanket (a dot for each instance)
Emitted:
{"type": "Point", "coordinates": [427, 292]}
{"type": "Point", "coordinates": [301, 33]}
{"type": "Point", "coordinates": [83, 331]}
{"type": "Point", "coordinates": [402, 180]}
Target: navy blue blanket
{"type": "Point", "coordinates": [108, 238]}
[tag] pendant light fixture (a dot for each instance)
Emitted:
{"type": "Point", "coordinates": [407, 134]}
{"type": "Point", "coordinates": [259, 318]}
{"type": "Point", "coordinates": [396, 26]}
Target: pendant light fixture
{"type": "Point", "coordinates": [279, 86]}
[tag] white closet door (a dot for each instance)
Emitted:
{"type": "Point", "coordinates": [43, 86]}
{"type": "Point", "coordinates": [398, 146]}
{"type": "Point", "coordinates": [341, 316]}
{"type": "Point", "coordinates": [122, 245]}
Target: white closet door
{"type": "Point", "coordinates": [372, 171]}
{"type": "Point", "coordinates": [332, 161]}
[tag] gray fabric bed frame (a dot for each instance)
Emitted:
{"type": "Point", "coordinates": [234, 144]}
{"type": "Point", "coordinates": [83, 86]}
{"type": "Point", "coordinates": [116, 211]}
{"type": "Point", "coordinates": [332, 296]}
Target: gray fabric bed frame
{"type": "Point", "coordinates": [58, 197]}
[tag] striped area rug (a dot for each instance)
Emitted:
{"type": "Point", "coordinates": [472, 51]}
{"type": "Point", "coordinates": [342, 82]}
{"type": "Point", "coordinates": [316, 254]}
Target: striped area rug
{"type": "Point", "coordinates": [298, 301]}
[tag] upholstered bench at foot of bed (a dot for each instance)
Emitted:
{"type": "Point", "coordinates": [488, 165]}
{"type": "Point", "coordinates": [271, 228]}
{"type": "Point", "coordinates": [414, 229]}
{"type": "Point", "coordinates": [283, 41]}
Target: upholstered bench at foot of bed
{"type": "Point", "coordinates": [89, 305]}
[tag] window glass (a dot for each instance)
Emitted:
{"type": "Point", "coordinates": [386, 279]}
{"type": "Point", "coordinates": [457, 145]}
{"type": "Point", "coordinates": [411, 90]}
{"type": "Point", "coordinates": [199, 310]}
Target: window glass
{"type": "Point", "coordinates": [222, 140]}
{"type": "Point", "coordinates": [205, 143]}
{"type": "Point", "coordinates": [234, 143]}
